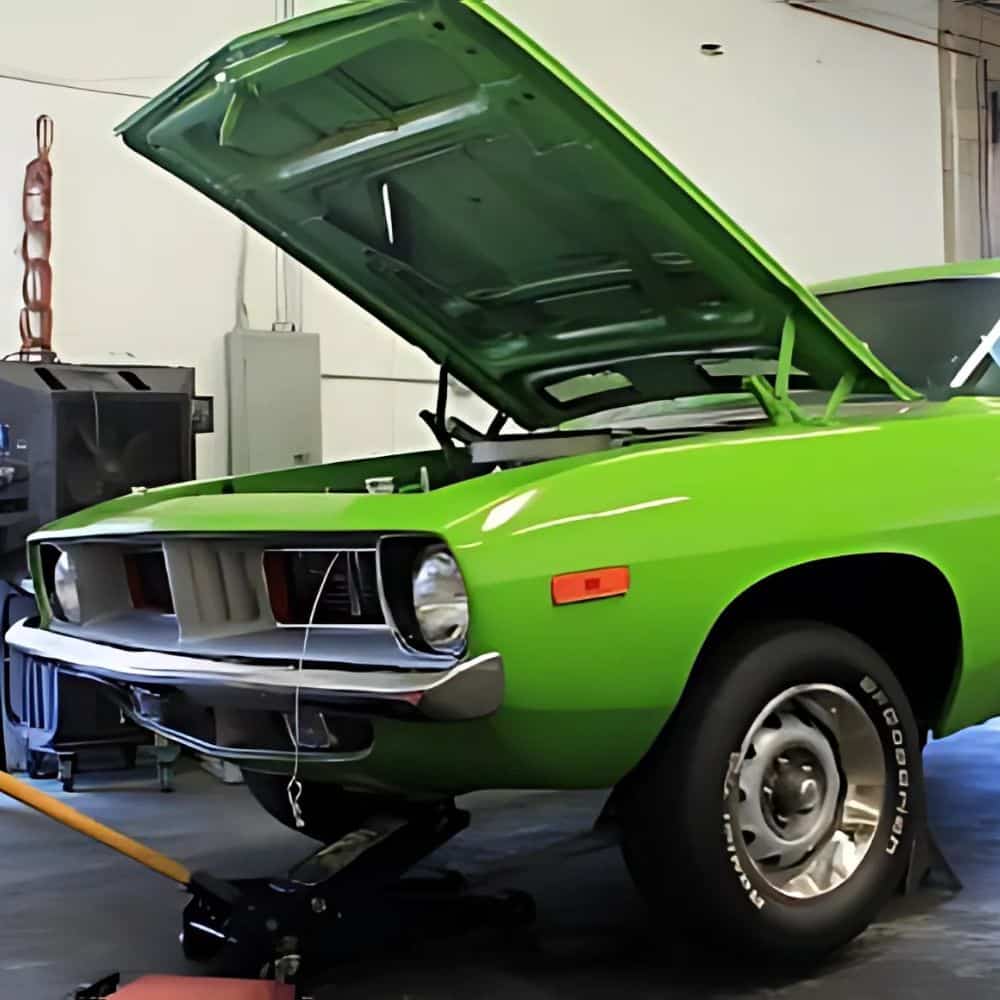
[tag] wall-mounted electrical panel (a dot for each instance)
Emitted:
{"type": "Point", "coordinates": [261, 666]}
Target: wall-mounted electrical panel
{"type": "Point", "coordinates": [274, 400]}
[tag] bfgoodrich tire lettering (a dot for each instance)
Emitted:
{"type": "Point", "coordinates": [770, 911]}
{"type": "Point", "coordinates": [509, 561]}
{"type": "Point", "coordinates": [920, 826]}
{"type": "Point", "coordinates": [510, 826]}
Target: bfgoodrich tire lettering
{"type": "Point", "coordinates": [689, 823]}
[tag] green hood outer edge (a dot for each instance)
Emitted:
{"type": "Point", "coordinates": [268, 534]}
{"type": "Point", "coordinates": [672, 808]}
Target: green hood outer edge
{"type": "Point", "coordinates": [799, 293]}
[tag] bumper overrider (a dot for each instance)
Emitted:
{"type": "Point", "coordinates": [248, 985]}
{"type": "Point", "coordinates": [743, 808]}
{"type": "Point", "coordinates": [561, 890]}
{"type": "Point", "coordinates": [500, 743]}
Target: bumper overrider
{"type": "Point", "coordinates": [161, 691]}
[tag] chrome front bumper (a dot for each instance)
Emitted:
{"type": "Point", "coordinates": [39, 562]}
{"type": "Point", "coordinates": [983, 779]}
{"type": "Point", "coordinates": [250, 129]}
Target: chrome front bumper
{"type": "Point", "coordinates": [471, 689]}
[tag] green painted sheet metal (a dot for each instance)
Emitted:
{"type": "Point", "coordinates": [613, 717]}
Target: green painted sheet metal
{"type": "Point", "coordinates": [430, 161]}
{"type": "Point", "coordinates": [698, 521]}
{"type": "Point", "coordinates": [962, 269]}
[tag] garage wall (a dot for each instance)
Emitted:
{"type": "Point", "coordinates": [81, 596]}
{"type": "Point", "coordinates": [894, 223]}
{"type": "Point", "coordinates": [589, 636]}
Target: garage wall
{"type": "Point", "coordinates": [141, 264]}
{"type": "Point", "coordinates": [140, 268]}
{"type": "Point", "coordinates": [822, 138]}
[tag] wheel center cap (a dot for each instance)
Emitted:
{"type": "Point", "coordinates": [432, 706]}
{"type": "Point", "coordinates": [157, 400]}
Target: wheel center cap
{"type": "Point", "coordinates": [796, 793]}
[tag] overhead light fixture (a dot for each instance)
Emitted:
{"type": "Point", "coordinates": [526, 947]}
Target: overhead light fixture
{"type": "Point", "coordinates": [387, 208]}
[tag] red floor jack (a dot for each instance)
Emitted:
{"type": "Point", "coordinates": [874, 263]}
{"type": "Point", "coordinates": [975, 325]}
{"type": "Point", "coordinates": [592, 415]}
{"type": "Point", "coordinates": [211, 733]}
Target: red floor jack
{"type": "Point", "coordinates": [272, 936]}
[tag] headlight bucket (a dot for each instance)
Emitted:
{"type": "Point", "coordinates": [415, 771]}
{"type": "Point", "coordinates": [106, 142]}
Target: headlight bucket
{"type": "Point", "coordinates": [65, 589]}
{"type": "Point", "coordinates": [440, 602]}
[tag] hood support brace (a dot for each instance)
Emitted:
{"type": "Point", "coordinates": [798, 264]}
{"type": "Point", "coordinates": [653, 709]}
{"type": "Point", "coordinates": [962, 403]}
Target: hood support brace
{"type": "Point", "coordinates": [437, 421]}
{"type": "Point", "coordinates": [776, 400]}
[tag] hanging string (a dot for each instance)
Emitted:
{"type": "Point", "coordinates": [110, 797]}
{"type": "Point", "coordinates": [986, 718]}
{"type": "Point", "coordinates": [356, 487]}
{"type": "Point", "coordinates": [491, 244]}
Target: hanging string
{"type": "Point", "coordinates": [294, 785]}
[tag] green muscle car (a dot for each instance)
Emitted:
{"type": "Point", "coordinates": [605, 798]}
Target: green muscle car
{"type": "Point", "coordinates": [729, 547]}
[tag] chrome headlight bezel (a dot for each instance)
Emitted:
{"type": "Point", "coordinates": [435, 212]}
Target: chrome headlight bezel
{"type": "Point", "coordinates": [65, 590]}
{"type": "Point", "coordinates": [440, 600]}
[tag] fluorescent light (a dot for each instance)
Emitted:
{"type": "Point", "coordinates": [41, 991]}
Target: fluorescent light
{"type": "Point", "coordinates": [387, 208]}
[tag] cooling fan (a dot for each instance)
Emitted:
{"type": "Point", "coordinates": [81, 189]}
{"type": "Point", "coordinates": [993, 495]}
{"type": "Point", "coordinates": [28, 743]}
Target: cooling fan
{"type": "Point", "coordinates": [95, 470]}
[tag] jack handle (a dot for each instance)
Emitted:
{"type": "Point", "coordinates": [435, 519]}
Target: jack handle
{"type": "Point", "coordinates": [68, 816]}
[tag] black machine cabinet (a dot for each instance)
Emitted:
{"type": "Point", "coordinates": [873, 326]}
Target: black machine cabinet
{"type": "Point", "coordinates": [72, 436]}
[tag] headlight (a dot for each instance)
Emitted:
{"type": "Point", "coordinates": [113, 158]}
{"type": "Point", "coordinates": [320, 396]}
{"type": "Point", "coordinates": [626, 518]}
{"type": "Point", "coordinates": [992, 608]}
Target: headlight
{"type": "Point", "coordinates": [65, 585]}
{"type": "Point", "coordinates": [439, 600]}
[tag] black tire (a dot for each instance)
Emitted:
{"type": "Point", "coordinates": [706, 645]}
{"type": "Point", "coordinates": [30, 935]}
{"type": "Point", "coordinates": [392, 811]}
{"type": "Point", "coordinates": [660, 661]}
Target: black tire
{"type": "Point", "coordinates": [328, 811]}
{"type": "Point", "coordinates": [678, 836]}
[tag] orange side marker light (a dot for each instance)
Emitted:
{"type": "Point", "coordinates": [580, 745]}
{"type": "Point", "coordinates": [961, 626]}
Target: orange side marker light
{"type": "Point", "coordinates": [590, 585]}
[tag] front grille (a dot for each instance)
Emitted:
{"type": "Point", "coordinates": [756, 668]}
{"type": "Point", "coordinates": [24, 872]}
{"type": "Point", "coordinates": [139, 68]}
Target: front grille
{"type": "Point", "coordinates": [349, 597]}
{"type": "Point", "coordinates": [240, 597]}
{"type": "Point", "coordinates": [148, 583]}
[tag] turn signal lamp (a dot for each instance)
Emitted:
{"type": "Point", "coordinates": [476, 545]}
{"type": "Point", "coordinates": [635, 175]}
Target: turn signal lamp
{"type": "Point", "coordinates": [590, 585]}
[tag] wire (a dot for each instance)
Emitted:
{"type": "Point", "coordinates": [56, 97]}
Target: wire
{"type": "Point", "coordinates": [379, 378]}
{"type": "Point", "coordinates": [283, 11]}
{"type": "Point", "coordinates": [242, 316]}
{"type": "Point", "coordinates": [277, 286]}
{"type": "Point", "coordinates": [281, 300]}
{"type": "Point", "coordinates": [806, 5]}
{"type": "Point", "coordinates": [72, 86]}
{"type": "Point", "coordinates": [294, 785]}
{"type": "Point", "coordinates": [285, 264]}
{"type": "Point", "coordinates": [97, 421]}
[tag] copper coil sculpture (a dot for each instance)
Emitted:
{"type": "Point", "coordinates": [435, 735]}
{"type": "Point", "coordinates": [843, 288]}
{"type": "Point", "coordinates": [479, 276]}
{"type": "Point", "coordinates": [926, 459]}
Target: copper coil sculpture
{"type": "Point", "coordinates": [36, 245]}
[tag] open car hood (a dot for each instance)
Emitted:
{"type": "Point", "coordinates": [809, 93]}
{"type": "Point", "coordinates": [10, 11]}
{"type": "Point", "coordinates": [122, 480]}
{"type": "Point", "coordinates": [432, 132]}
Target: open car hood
{"type": "Point", "coordinates": [433, 164]}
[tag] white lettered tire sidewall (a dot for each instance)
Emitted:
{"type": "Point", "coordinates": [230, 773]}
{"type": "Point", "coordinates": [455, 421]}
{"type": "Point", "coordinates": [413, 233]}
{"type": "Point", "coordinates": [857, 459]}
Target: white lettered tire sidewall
{"type": "Point", "coordinates": [894, 833]}
{"type": "Point", "coordinates": [679, 837]}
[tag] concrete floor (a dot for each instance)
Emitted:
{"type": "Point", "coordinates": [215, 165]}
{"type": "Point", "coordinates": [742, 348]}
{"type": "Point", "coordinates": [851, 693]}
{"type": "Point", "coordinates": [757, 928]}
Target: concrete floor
{"type": "Point", "coordinates": [71, 910]}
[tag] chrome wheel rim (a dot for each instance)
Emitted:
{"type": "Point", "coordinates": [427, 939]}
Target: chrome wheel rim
{"type": "Point", "coordinates": [806, 790]}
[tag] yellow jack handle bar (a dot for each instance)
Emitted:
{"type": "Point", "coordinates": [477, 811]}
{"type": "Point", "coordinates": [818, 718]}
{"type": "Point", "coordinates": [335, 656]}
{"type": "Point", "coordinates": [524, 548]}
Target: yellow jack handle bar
{"type": "Point", "coordinates": [68, 816]}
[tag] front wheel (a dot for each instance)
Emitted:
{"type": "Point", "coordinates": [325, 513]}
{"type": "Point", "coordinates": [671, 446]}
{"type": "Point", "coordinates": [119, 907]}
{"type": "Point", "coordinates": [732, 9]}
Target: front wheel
{"type": "Point", "coordinates": [776, 812]}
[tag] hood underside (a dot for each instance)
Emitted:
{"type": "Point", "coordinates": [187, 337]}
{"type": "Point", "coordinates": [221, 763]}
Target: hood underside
{"type": "Point", "coordinates": [431, 163]}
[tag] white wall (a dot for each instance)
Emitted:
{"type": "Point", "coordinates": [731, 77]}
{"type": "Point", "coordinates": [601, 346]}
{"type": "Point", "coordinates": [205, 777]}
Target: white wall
{"type": "Point", "coordinates": [822, 138]}
{"type": "Point", "coordinates": [141, 264]}
{"type": "Point", "coordinates": [120, 45]}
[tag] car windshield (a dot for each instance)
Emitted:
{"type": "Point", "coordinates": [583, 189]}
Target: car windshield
{"type": "Point", "coordinates": [942, 337]}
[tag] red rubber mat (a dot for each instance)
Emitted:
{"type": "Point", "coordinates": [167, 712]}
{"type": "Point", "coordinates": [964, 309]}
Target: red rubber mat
{"type": "Point", "coordinates": [187, 988]}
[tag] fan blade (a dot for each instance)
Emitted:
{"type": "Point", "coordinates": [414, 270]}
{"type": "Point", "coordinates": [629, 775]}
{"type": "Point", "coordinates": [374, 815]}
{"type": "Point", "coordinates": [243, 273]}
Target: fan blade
{"type": "Point", "coordinates": [134, 460]}
{"type": "Point", "coordinates": [83, 432]}
{"type": "Point", "coordinates": [81, 482]}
